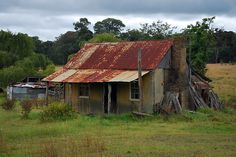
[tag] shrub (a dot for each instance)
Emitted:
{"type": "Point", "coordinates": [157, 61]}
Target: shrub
{"type": "Point", "coordinates": [26, 106]}
{"type": "Point", "coordinates": [57, 111]}
{"type": "Point", "coordinates": [8, 104]}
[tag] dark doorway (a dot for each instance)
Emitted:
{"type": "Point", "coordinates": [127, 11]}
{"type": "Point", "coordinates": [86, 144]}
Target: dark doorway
{"type": "Point", "coordinates": [109, 95]}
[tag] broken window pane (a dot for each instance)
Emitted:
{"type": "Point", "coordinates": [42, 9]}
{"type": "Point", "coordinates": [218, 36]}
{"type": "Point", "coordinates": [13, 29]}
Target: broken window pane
{"type": "Point", "coordinates": [134, 89]}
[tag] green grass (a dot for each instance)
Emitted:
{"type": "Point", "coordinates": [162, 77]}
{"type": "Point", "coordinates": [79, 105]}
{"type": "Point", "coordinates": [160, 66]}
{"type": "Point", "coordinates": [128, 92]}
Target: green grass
{"type": "Point", "coordinates": [197, 134]}
{"type": "Point", "coordinates": [202, 133]}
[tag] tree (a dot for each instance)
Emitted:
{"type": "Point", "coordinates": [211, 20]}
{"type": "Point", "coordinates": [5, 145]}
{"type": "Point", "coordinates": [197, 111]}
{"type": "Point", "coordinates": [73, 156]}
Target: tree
{"type": "Point", "coordinates": [109, 25]}
{"type": "Point", "coordinates": [65, 45]}
{"type": "Point", "coordinates": [225, 47]}
{"type": "Point", "coordinates": [104, 37]}
{"type": "Point", "coordinates": [17, 59]}
{"type": "Point", "coordinates": [201, 36]}
{"type": "Point", "coordinates": [153, 31]}
{"type": "Point", "coordinates": [14, 47]}
{"type": "Point", "coordinates": [82, 24]}
{"type": "Point", "coordinates": [30, 65]}
{"type": "Point", "coordinates": [157, 30]}
{"type": "Point", "coordinates": [81, 27]}
{"type": "Point", "coordinates": [132, 35]}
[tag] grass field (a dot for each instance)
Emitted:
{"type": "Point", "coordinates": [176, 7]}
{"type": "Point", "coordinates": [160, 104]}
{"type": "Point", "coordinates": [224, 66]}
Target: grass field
{"type": "Point", "coordinates": [191, 134]}
{"type": "Point", "coordinates": [224, 81]}
{"type": "Point", "coordinates": [202, 133]}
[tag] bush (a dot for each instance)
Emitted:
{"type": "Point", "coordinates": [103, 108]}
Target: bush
{"type": "Point", "coordinates": [26, 106]}
{"type": "Point", "coordinates": [57, 111]}
{"type": "Point", "coordinates": [8, 105]}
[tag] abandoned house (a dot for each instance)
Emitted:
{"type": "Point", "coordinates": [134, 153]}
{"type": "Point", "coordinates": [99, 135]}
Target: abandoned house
{"type": "Point", "coordinates": [103, 77]}
{"type": "Point", "coordinates": [28, 88]}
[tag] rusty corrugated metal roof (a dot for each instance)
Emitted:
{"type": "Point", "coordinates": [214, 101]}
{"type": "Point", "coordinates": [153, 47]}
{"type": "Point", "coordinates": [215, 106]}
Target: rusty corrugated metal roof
{"type": "Point", "coordinates": [111, 62]}
{"type": "Point", "coordinates": [121, 55]}
{"type": "Point", "coordinates": [94, 75]}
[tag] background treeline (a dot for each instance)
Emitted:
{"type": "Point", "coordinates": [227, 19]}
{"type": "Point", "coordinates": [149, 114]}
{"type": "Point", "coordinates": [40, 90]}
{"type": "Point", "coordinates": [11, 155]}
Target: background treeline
{"type": "Point", "coordinates": [208, 44]}
{"type": "Point", "coordinates": [21, 55]}
{"type": "Point", "coordinates": [18, 59]}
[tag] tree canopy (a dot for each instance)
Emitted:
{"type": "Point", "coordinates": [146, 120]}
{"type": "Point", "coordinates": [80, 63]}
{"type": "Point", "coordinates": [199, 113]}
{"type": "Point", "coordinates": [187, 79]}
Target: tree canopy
{"type": "Point", "coordinates": [14, 47]}
{"type": "Point", "coordinates": [84, 34]}
{"type": "Point", "coordinates": [104, 37]}
{"type": "Point", "coordinates": [202, 43]}
{"type": "Point", "coordinates": [153, 31]}
{"type": "Point", "coordinates": [109, 25]}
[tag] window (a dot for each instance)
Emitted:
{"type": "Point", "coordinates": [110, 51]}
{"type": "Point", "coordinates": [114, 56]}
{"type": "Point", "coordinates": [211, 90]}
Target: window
{"type": "Point", "coordinates": [84, 90]}
{"type": "Point", "coordinates": [19, 90]}
{"type": "Point", "coordinates": [134, 90]}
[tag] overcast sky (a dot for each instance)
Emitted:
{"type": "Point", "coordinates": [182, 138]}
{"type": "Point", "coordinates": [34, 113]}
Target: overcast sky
{"type": "Point", "coordinates": [50, 18]}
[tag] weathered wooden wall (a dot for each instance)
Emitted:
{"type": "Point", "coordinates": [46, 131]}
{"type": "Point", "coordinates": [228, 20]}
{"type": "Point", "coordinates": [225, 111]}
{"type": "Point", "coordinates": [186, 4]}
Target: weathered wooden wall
{"type": "Point", "coordinates": [153, 90]}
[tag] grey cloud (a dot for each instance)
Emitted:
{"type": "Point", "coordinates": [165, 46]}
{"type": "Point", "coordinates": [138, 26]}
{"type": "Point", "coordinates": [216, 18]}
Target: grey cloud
{"type": "Point", "coordinates": [49, 18]}
{"type": "Point", "coordinates": [121, 7]}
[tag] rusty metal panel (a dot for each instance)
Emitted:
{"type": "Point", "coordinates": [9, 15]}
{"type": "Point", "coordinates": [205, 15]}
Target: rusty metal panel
{"type": "Point", "coordinates": [64, 75]}
{"type": "Point", "coordinates": [96, 75]}
{"type": "Point", "coordinates": [127, 76]}
{"type": "Point", "coordinates": [121, 55]}
{"type": "Point", "coordinates": [55, 74]}
{"type": "Point", "coordinates": [105, 75]}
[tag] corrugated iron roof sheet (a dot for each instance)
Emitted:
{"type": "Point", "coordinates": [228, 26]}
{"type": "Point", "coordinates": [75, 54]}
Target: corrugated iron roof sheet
{"type": "Point", "coordinates": [93, 75]}
{"type": "Point", "coordinates": [121, 55]}
{"type": "Point", "coordinates": [111, 62]}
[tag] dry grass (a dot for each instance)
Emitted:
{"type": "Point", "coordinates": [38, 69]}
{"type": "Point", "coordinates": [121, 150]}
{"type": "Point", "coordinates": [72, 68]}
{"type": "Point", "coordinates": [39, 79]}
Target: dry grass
{"type": "Point", "coordinates": [66, 146]}
{"type": "Point", "coordinates": [224, 81]}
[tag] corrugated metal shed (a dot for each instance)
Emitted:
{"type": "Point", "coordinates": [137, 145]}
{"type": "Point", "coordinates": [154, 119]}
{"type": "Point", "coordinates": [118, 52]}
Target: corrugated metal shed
{"type": "Point", "coordinates": [111, 62]}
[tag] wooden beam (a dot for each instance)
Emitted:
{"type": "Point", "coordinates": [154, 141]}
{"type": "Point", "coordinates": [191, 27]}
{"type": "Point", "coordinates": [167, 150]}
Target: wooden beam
{"type": "Point", "coordinates": [47, 84]}
{"type": "Point", "coordinates": [109, 98]}
{"type": "Point", "coordinates": [140, 82]}
{"type": "Point", "coordinates": [70, 94]}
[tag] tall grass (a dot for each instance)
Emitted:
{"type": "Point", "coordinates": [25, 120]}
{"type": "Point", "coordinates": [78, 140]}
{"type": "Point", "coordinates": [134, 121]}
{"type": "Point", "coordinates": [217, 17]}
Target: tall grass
{"type": "Point", "coordinates": [224, 82]}
{"type": "Point", "coordinates": [68, 146]}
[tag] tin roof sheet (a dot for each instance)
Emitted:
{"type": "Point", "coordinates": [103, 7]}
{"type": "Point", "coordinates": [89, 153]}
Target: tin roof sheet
{"type": "Point", "coordinates": [121, 55]}
{"type": "Point", "coordinates": [94, 75]}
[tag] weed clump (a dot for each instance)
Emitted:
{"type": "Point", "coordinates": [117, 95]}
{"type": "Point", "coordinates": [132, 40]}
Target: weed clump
{"type": "Point", "coordinates": [57, 111]}
{"type": "Point", "coordinates": [26, 106]}
{"type": "Point", "coordinates": [8, 105]}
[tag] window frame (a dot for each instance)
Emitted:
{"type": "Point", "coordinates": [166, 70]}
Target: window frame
{"type": "Point", "coordinates": [130, 91]}
{"type": "Point", "coordinates": [83, 86]}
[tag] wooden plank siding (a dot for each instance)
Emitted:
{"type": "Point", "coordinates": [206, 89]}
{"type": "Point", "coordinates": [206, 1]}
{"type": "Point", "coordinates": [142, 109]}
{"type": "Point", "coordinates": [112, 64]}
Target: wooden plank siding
{"type": "Point", "coordinates": [153, 91]}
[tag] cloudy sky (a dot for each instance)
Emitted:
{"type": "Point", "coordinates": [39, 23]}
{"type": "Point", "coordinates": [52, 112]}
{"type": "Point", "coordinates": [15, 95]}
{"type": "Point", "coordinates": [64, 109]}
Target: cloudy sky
{"type": "Point", "coordinates": [49, 18]}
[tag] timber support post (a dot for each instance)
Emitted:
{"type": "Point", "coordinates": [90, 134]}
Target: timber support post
{"type": "Point", "coordinates": [47, 84]}
{"type": "Point", "coordinates": [140, 82]}
{"type": "Point", "coordinates": [109, 98]}
{"type": "Point", "coordinates": [70, 94]}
